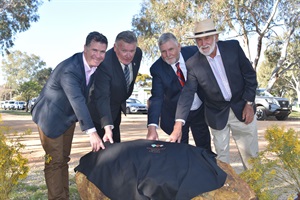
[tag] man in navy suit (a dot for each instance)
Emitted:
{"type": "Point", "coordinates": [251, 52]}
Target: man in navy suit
{"type": "Point", "coordinates": [111, 88]}
{"type": "Point", "coordinates": [228, 80]}
{"type": "Point", "coordinates": [61, 103]}
{"type": "Point", "coordinates": [166, 89]}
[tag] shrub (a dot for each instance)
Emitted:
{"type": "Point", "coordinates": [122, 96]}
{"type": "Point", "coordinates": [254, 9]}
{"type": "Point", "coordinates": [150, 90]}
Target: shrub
{"type": "Point", "coordinates": [277, 164]}
{"type": "Point", "coordinates": [13, 166]}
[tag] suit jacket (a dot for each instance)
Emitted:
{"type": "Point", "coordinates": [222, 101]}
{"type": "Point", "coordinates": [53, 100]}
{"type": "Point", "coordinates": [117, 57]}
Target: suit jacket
{"type": "Point", "coordinates": [242, 81]}
{"type": "Point", "coordinates": [165, 91]}
{"type": "Point", "coordinates": [109, 93]}
{"type": "Point", "coordinates": [145, 169]}
{"type": "Point", "coordinates": [62, 101]}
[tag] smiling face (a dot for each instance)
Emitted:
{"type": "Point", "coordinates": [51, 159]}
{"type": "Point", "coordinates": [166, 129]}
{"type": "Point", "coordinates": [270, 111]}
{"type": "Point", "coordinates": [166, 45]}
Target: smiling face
{"type": "Point", "coordinates": [125, 51]}
{"type": "Point", "coordinates": [207, 45]}
{"type": "Point", "coordinates": [94, 53]}
{"type": "Point", "coordinates": [170, 51]}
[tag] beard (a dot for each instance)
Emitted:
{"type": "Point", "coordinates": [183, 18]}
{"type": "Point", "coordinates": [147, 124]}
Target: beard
{"type": "Point", "coordinates": [211, 48]}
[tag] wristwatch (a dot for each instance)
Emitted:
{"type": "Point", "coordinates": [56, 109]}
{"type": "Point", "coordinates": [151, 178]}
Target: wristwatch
{"type": "Point", "coordinates": [250, 103]}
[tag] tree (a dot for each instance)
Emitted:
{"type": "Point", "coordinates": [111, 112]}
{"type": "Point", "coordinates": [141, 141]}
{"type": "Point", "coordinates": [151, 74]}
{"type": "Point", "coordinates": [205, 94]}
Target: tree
{"type": "Point", "coordinates": [143, 80]}
{"type": "Point", "coordinates": [259, 19]}
{"type": "Point", "coordinates": [15, 17]}
{"type": "Point", "coordinates": [28, 90]}
{"type": "Point", "coordinates": [19, 67]}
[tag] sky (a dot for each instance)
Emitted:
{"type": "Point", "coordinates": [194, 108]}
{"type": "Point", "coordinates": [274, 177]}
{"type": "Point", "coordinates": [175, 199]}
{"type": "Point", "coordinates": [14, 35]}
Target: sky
{"type": "Point", "coordinates": [64, 24]}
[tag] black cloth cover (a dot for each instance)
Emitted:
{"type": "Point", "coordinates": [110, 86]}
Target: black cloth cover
{"type": "Point", "coordinates": [156, 170]}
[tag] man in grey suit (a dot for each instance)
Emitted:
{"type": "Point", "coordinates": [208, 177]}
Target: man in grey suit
{"type": "Point", "coordinates": [166, 89]}
{"type": "Point", "coordinates": [61, 103]}
{"type": "Point", "coordinates": [228, 80]}
{"type": "Point", "coordinates": [114, 83]}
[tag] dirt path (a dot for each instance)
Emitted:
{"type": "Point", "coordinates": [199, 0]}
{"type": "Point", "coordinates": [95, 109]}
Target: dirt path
{"type": "Point", "coordinates": [133, 127]}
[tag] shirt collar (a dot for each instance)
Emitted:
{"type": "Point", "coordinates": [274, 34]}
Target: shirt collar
{"type": "Point", "coordinates": [87, 68]}
{"type": "Point", "coordinates": [181, 61]}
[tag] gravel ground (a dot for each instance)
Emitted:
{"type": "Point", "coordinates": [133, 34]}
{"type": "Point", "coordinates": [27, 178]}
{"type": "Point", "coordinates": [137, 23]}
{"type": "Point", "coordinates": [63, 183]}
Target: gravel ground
{"type": "Point", "coordinates": [133, 127]}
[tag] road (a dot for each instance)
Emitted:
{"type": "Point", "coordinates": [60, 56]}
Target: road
{"type": "Point", "coordinates": [133, 127]}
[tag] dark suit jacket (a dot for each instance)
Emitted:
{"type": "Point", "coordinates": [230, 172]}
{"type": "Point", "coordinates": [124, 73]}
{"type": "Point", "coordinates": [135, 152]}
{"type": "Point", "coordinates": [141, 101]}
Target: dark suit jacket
{"type": "Point", "coordinates": [109, 94]}
{"type": "Point", "coordinates": [242, 82]}
{"type": "Point", "coordinates": [62, 101]}
{"type": "Point", "coordinates": [165, 91]}
{"type": "Point", "coordinates": [145, 169]}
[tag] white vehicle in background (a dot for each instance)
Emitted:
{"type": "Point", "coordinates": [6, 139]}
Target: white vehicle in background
{"type": "Point", "coordinates": [20, 105]}
{"type": "Point", "coordinates": [9, 105]}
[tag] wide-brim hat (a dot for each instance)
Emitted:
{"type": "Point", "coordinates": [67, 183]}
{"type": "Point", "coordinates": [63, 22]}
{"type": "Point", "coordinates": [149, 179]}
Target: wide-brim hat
{"type": "Point", "coordinates": [204, 28]}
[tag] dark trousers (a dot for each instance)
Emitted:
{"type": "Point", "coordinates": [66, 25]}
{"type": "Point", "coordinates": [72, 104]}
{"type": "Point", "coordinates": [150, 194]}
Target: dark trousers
{"type": "Point", "coordinates": [196, 123]}
{"type": "Point", "coordinates": [56, 163]}
{"type": "Point", "coordinates": [116, 130]}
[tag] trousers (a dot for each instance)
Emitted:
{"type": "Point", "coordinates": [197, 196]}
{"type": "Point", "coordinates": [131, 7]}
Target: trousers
{"type": "Point", "coordinates": [57, 155]}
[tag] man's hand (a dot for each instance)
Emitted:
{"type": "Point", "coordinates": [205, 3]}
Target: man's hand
{"type": "Point", "coordinates": [248, 114]}
{"type": "Point", "coordinates": [108, 134]}
{"type": "Point", "coordinates": [96, 142]}
{"type": "Point", "coordinates": [152, 133]}
{"type": "Point", "coordinates": [177, 133]}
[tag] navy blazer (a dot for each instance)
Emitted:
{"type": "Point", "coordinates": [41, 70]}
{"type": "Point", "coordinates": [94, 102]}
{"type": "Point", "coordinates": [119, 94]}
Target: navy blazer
{"type": "Point", "coordinates": [165, 91]}
{"type": "Point", "coordinates": [63, 99]}
{"type": "Point", "coordinates": [109, 93]}
{"type": "Point", "coordinates": [146, 169]}
{"type": "Point", "coordinates": [242, 81]}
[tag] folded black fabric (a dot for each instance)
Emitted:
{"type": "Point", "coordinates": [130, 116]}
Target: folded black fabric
{"type": "Point", "coordinates": [156, 170]}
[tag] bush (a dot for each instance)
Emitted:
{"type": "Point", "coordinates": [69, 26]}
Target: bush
{"type": "Point", "coordinates": [13, 166]}
{"type": "Point", "coordinates": [277, 164]}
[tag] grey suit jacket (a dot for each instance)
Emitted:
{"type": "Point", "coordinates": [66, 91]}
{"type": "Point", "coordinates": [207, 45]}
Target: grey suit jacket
{"type": "Point", "coordinates": [62, 101]}
{"type": "Point", "coordinates": [242, 82]}
{"type": "Point", "coordinates": [109, 93]}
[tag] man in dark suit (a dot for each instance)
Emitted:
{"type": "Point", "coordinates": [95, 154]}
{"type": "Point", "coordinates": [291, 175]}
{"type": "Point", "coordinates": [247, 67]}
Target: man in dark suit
{"type": "Point", "coordinates": [166, 89]}
{"type": "Point", "coordinates": [113, 85]}
{"type": "Point", "coordinates": [61, 103]}
{"type": "Point", "coordinates": [228, 80]}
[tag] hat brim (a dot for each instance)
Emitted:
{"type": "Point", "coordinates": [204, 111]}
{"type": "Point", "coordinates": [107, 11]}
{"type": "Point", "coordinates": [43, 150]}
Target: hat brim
{"type": "Point", "coordinates": [203, 35]}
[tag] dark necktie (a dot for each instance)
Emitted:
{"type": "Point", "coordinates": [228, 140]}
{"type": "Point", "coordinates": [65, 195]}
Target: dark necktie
{"type": "Point", "coordinates": [180, 75]}
{"type": "Point", "coordinates": [127, 76]}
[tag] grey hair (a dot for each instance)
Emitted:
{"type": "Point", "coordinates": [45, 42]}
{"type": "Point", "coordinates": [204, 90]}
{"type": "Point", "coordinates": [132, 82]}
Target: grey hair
{"type": "Point", "coordinates": [165, 37]}
{"type": "Point", "coordinates": [126, 36]}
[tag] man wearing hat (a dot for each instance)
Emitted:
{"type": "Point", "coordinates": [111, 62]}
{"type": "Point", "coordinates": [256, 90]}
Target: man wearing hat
{"type": "Point", "coordinates": [228, 81]}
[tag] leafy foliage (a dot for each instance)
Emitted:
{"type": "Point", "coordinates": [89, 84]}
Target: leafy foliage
{"type": "Point", "coordinates": [15, 17]}
{"type": "Point", "coordinates": [277, 164]}
{"type": "Point", "coordinates": [13, 166]}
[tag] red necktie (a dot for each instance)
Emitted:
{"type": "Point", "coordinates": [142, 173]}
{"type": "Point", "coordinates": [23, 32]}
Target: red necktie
{"type": "Point", "coordinates": [180, 75]}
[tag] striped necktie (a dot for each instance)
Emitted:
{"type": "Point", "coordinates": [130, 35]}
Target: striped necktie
{"type": "Point", "coordinates": [180, 75]}
{"type": "Point", "coordinates": [127, 76]}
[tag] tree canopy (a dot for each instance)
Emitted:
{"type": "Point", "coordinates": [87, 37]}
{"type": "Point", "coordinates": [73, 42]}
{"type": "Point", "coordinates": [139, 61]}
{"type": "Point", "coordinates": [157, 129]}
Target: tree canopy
{"type": "Point", "coordinates": [16, 16]}
{"type": "Point", "coordinates": [254, 22]}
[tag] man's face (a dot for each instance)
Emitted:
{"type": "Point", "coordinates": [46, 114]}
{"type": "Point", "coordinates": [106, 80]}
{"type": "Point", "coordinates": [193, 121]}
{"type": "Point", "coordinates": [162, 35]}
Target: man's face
{"type": "Point", "coordinates": [207, 45]}
{"type": "Point", "coordinates": [94, 53]}
{"type": "Point", "coordinates": [170, 52]}
{"type": "Point", "coordinates": [125, 51]}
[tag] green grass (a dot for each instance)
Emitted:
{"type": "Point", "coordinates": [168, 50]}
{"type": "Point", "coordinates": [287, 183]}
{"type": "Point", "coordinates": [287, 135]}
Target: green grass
{"type": "Point", "coordinates": [24, 191]}
{"type": "Point", "coordinates": [294, 114]}
{"type": "Point", "coordinates": [15, 112]}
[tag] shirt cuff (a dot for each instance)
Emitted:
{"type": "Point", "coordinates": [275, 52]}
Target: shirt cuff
{"type": "Point", "coordinates": [180, 120]}
{"type": "Point", "coordinates": [91, 130]}
{"type": "Point", "coordinates": [153, 125]}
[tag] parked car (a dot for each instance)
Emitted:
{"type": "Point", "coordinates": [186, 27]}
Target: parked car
{"type": "Point", "coordinates": [135, 106]}
{"type": "Point", "coordinates": [20, 105]}
{"type": "Point", "coordinates": [9, 105]}
{"type": "Point", "coordinates": [268, 105]}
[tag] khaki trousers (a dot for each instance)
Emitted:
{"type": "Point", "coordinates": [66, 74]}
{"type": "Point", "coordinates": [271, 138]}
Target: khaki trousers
{"type": "Point", "coordinates": [56, 163]}
{"type": "Point", "coordinates": [245, 137]}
